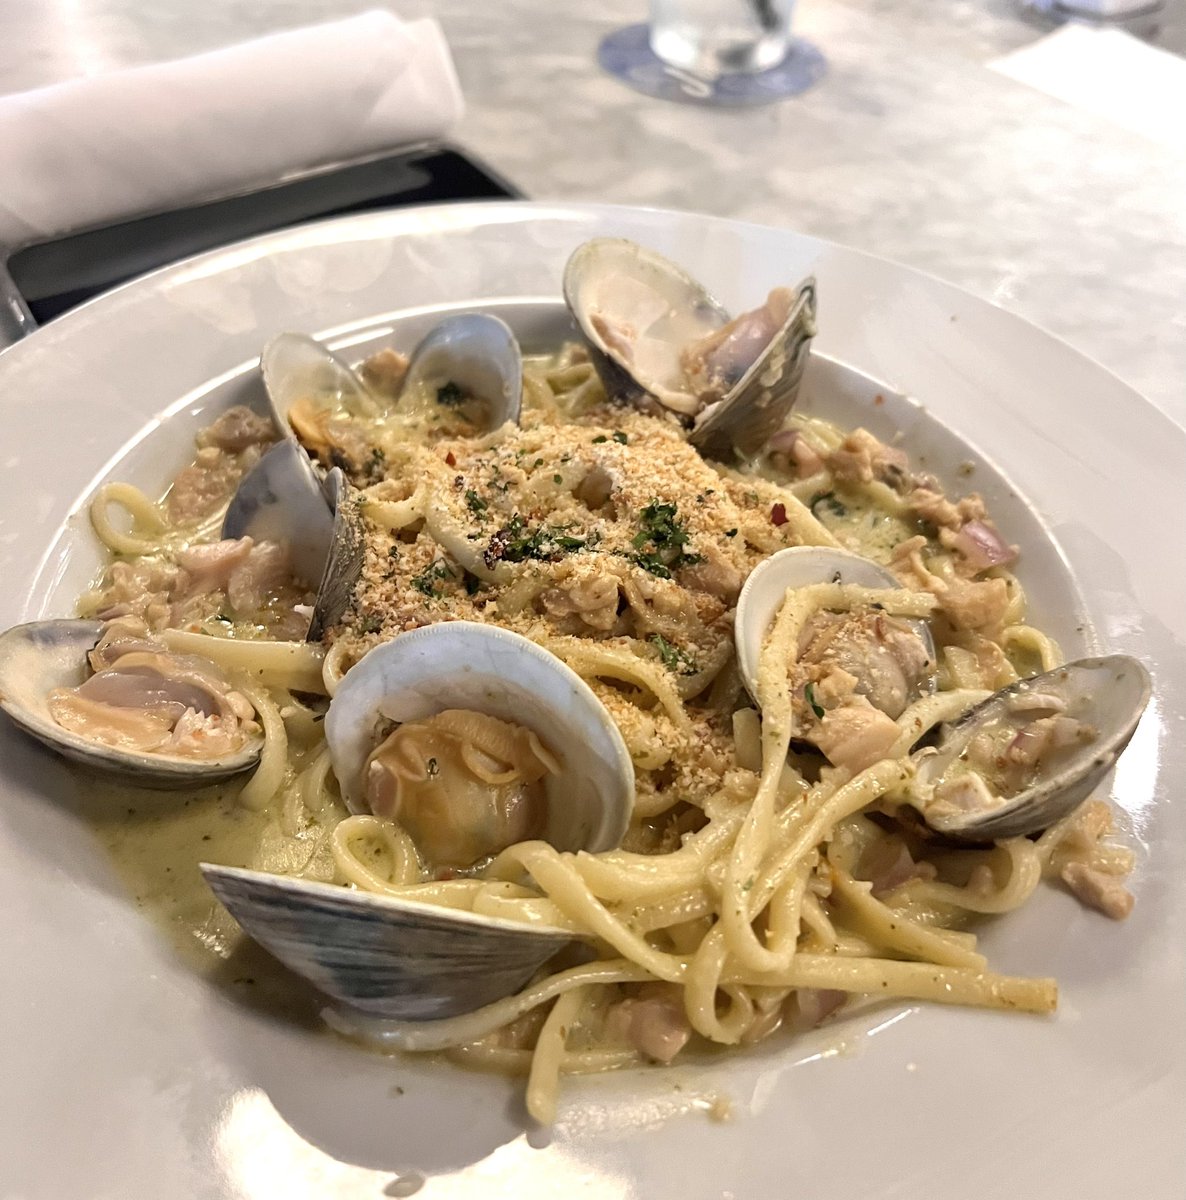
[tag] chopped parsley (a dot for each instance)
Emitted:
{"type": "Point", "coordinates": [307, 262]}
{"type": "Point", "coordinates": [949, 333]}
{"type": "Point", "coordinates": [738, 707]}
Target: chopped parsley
{"type": "Point", "coordinates": [831, 505]}
{"type": "Point", "coordinates": [376, 464]}
{"type": "Point", "coordinates": [809, 695]}
{"type": "Point", "coordinates": [371, 623]}
{"type": "Point", "coordinates": [428, 581]}
{"type": "Point", "coordinates": [599, 439]}
{"type": "Point", "coordinates": [661, 540]}
{"type": "Point", "coordinates": [475, 503]}
{"type": "Point", "coordinates": [450, 395]}
{"type": "Point", "coordinates": [652, 563]}
{"type": "Point", "coordinates": [730, 532]}
{"type": "Point", "coordinates": [472, 583]}
{"type": "Point", "coordinates": [518, 542]}
{"type": "Point", "coordinates": [557, 478]}
{"type": "Point", "coordinates": [674, 659]}
{"type": "Point", "coordinates": [620, 437]}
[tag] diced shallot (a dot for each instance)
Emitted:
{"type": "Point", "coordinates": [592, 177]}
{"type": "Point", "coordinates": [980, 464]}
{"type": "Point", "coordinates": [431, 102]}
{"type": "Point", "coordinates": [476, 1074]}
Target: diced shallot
{"type": "Point", "coordinates": [888, 864]}
{"type": "Point", "coordinates": [783, 442]}
{"type": "Point", "coordinates": [655, 1024]}
{"type": "Point", "coordinates": [983, 546]}
{"type": "Point", "coordinates": [795, 446]}
{"type": "Point", "coordinates": [816, 1004]}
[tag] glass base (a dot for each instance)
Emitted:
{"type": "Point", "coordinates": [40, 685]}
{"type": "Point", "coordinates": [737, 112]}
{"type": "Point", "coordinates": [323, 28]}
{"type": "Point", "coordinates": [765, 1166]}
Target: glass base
{"type": "Point", "coordinates": [1143, 22]}
{"type": "Point", "coordinates": [627, 55]}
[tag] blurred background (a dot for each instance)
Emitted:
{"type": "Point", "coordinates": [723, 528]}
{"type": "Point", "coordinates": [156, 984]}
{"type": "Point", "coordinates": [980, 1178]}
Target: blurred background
{"type": "Point", "coordinates": [958, 136]}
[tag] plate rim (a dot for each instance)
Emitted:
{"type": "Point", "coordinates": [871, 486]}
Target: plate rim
{"type": "Point", "coordinates": [524, 211]}
{"type": "Point", "coordinates": [312, 232]}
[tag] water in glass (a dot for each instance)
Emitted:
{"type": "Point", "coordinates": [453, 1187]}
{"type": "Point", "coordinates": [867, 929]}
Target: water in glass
{"type": "Point", "coordinates": [716, 37]}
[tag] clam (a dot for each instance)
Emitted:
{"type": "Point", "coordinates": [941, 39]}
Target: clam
{"type": "Point", "coordinates": [1032, 752]}
{"type": "Point", "coordinates": [344, 556]}
{"type": "Point", "coordinates": [386, 957]}
{"type": "Point", "coordinates": [303, 379]}
{"type": "Point", "coordinates": [135, 707]}
{"type": "Point", "coordinates": [470, 361]}
{"type": "Point", "coordinates": [443, 690]}
{"type": "Point", "coordinates": [471, 358]}
{"type": "Point", "coordinates": [659, 340]}
{"type": "Point", "coordinates": [282, 499]}
{"type": "Point", "coordinates": [882, 677]}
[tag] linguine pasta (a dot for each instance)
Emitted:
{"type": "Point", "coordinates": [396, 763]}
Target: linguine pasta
{"type": "Point", "coordinates": [761, 883]}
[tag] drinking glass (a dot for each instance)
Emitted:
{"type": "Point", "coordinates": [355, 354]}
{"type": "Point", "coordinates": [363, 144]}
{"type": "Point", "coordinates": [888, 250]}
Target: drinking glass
{"type": "Point", "coordinates": [715, 38]}
{"type": "Point", "coordinates": [1139, 17]}
{"type": "Point", "coordinates": [722, 52]}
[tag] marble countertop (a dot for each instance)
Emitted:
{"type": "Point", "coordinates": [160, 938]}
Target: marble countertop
{"type": "Point", "coordinates": [910, 146]}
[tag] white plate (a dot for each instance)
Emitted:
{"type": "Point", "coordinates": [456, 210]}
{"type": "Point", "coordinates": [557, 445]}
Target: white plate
{"type": "Point", "coordinates": [127, 1075]}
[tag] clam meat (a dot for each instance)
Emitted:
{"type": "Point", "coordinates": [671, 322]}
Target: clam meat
{"type": "Point", "coordinates": [476, 686]}
{"type": "Point", "coordinates": [117, 701]}
{"type": "Point", "coordinates": [1032, 752]}
{"type": "Point", "coordinates": [854, 672]}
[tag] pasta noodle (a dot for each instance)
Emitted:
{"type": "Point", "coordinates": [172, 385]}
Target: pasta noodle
{"type": "Point", "coordinates": [757, 870]}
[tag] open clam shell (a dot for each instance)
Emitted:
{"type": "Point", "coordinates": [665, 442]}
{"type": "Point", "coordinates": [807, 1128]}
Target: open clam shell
{"type": "Point", "coordinates": [281, 499]}
{"type": "Point", "coordinates": [384, 956]}
{"type": "Point", "coordinates": [296, 367]}
{"type": "Point", "coordinates": [757, 405]}
{"type": "Point", "coordinates": [640, 313]}
{"type": "Point", "coordinates": [1105, 695]}
{"type": "Point", "coordinates": [467, 665]}
{"type": "Point", "coordinates": [796, 567]}
{"type": "Point", "coordinates": [344, 557]}
{"type": "Point", "coordinates": [39, 657]}
{"type": "Point", "coordinates": [478, 355]}
{"type": "Point", "coordinates": [472, 355]}
{"type": "Point", "coordinates": [395, 957]}
{"type": "Point", "coordinates": [637, 310]}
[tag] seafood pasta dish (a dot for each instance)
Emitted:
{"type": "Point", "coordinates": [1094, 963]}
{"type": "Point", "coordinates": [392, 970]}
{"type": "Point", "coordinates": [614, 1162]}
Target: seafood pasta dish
{"type": "Point", "coordinates": [589, 706]}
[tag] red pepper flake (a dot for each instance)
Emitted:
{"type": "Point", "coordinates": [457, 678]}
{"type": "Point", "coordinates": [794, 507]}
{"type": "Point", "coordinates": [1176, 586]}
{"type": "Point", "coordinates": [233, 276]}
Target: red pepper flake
{"type": "Point", "coordinates": [879, 400]}
{"type": "Point", "coordinates": [450, 459]}
{"type": "Point", "coordinates": [778, 514]}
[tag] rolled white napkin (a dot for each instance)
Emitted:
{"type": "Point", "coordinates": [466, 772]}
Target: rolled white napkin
{"type": "Point", "coordinates": [149, 138]}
